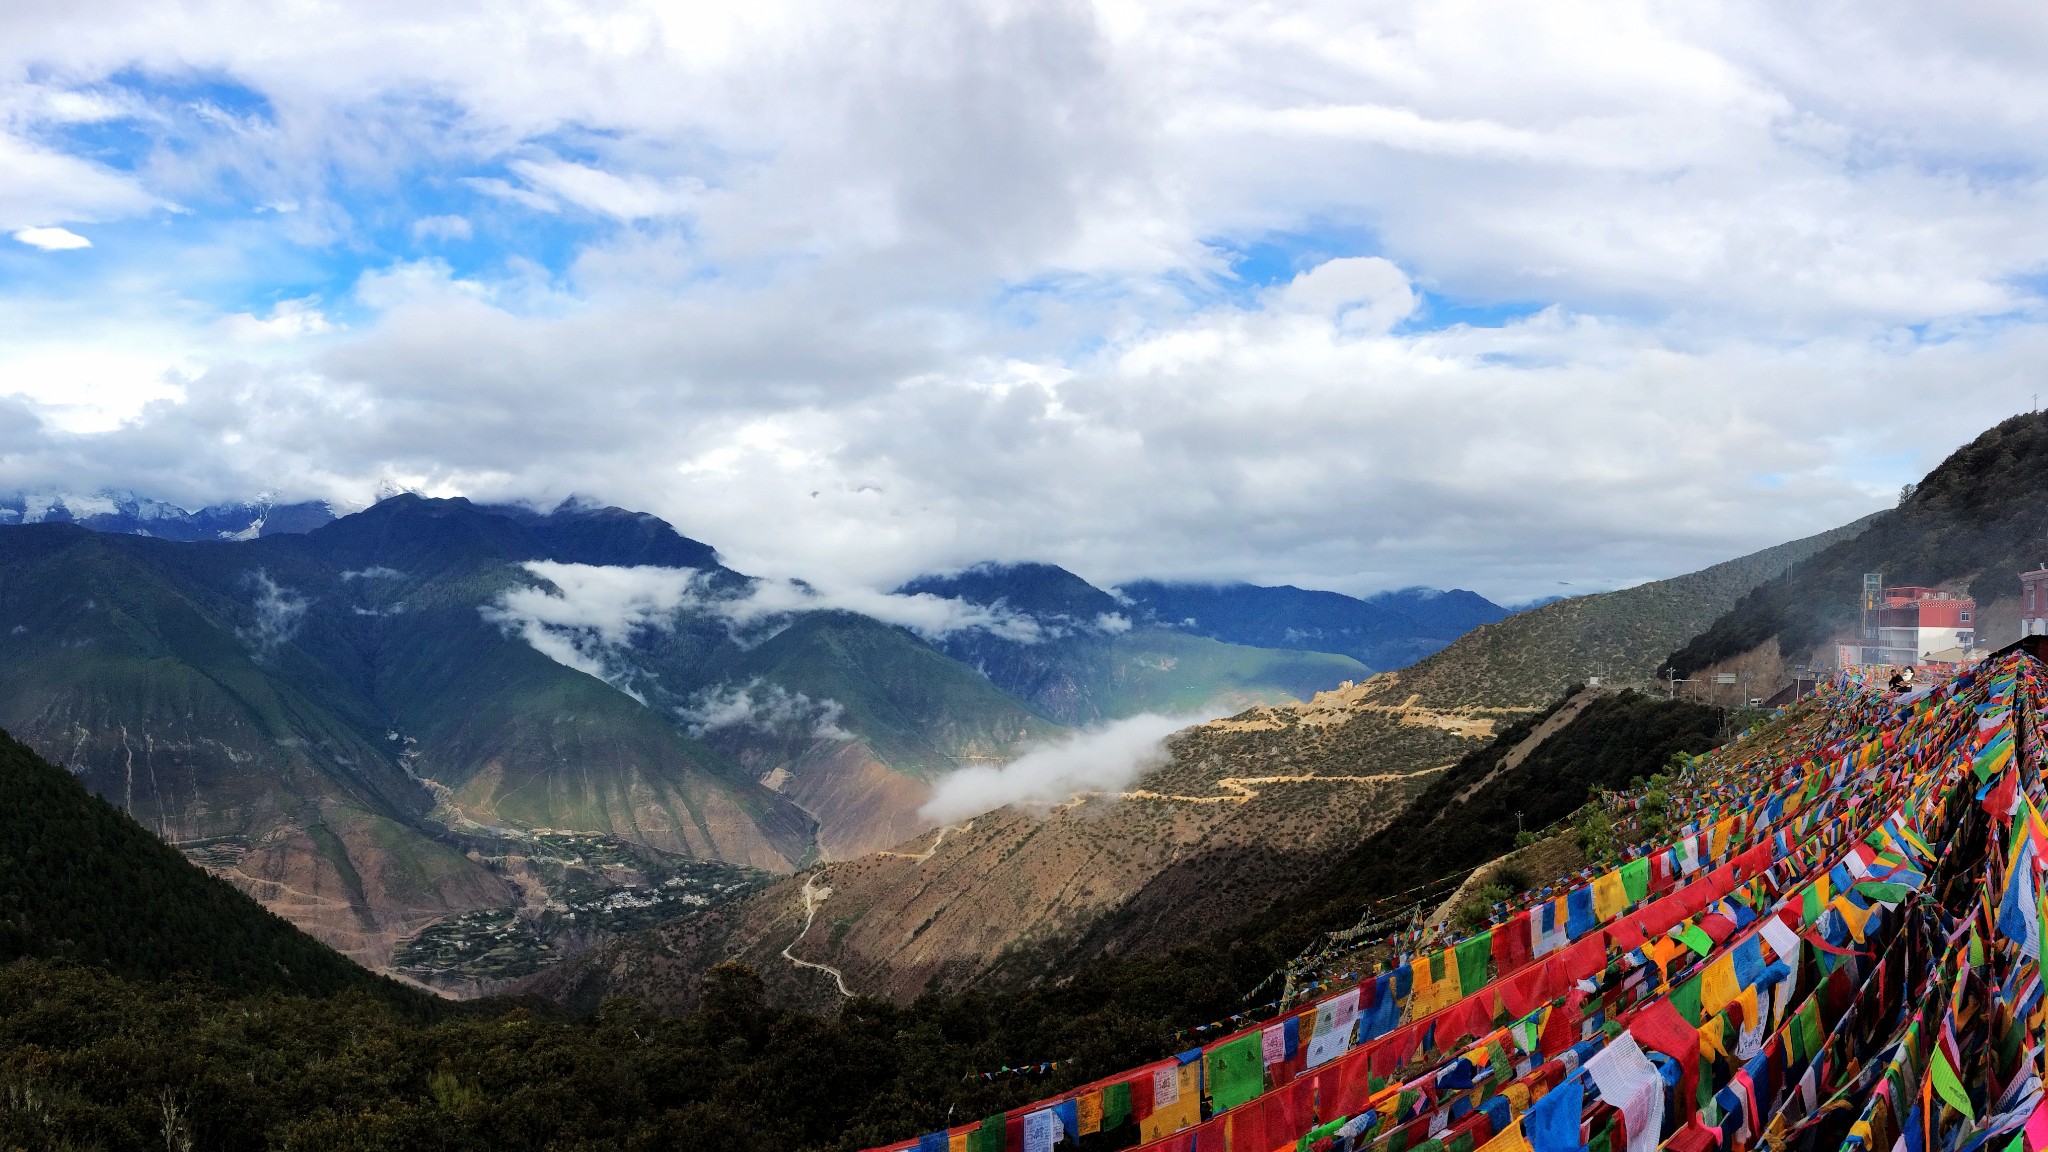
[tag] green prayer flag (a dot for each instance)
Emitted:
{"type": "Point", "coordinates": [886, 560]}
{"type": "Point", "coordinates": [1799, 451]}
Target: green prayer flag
{"type": "Point", "coordinates": [1635, 879]}
{"type": "Point", "coordinates": [1810, 1034]}
{"type": "Point", "coordinates": [1436, 966]}
{"type": "Point", "coordinates": [1879, 890]}
{"type": "Point", "coordinates": [1810, 906]}
{"type": "Point", "coordinates": [1695, 937]}
{"type": "Point", "coordinates": [1462, 1142]}
{"type": "Point", "coordinates": [2009, 1044]}
{"type": "Point", "coordinates": [991, 1136]}
{"type": "Point", "coordinates": [1950, 1088]}
{"type": "Point", "coordinates": [1236, 1071]}
{"type": "Point", "coordinates": [1475, 957]}
{"type": "Point", "coordinates": [1503, 1068]}
{"type": "Point", "coordinates": [1116, 1105]}
{"type": "Point", "coordinates": [1686, 998]}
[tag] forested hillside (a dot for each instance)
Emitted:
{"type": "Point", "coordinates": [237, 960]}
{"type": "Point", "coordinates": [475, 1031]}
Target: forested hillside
{"type": "Point", "coordinates": [80, 881]}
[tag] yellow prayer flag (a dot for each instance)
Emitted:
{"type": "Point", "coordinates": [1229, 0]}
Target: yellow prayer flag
{"type": "Point", "coordinates": [1510, 1139]}
{"type": "Point", "coordinates": [1184, 1112]}
{"type": "Point", "coordinates": [1518, 1098]}
{"type": "Point", "coordinates": [1718, 985]}
{"type": "Point", "coordinates": [1089, 1107]}
{"type": "Point", "coordinates": [1610, 896]}
{"type": "Point", "coordinates": [1854, 917]}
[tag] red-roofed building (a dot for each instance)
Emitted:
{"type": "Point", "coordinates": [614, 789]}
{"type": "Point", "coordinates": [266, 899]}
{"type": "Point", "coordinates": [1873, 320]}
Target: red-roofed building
{"type": "Point", "coordinates": [1910, 625]}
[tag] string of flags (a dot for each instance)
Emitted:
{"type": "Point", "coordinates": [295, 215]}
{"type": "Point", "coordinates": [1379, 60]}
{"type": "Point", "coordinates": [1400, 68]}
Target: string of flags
{"type": "Point", "coordinates": [1038, 1069]}
{"type": "Point", "coordinates": [1837, 946]}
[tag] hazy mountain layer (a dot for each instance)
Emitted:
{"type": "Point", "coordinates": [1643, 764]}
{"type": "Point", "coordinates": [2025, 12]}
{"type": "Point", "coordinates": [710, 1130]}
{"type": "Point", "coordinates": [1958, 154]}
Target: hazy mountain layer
{"type": "Point", "coordinates": [1383, 632]}
{"type": "Point", "coordinates": [1075, 653]}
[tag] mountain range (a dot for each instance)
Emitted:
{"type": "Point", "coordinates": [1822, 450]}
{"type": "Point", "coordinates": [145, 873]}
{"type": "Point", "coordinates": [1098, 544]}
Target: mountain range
{"type": "Point", "coordinates": [435, 713]}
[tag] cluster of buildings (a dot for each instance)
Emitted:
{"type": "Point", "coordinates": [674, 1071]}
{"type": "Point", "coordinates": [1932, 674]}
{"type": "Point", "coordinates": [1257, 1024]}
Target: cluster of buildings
{"type": "Point", "coordinates": [1911, 625]}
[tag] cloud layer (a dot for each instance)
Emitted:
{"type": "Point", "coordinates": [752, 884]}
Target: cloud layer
{"type": "Point", "coordinates": [1106, 759]}
{"type": "Point", "coordinates": [587, 617]}
{"type": "Point", "coordinates": [1355, 296]}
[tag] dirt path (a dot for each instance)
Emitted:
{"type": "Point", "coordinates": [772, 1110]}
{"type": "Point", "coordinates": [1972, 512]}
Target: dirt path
{"type": "Point", "coordinates": [925, 855]}
{"type": "Point", "coordinates": [814, 896]}
{"type": "Point", "coordinates": [1242, 791]}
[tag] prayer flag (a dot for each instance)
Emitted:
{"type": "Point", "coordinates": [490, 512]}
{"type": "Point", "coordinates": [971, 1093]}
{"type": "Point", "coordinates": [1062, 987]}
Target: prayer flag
{"type": "Point", "coordinates": [1237, 1071]}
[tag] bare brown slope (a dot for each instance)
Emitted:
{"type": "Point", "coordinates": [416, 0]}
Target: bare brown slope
{"type": "Point", "coordinates": [1244, 811]}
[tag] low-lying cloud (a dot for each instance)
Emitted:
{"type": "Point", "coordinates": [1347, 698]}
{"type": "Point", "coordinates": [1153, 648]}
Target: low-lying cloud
{"type": "Point", "coordinates": [763, 707]}
{"type": "Point", "coordinates": [586, 616]}
{"type": "Point", "coordinates": [586, 613]}
{"type": "Point", "coordinates": [1106, 759]}
{"type": "Point", "coordinates": [278, 612]}
{"type": "Point", "coordinates": [585, 609]}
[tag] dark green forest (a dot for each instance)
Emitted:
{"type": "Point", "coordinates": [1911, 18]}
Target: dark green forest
{"type": "Point", "coordinates": [80, 880]}
{"type": "Point", "coordinates": [153, 1007]}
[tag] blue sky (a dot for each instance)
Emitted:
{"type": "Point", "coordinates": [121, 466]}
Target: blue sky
{"type": "Point", "coordinates": [1344, 296]}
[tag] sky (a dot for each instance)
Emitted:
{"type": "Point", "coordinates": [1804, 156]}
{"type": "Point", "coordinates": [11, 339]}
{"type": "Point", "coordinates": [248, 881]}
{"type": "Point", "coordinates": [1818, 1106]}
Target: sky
{"type": "Point", "coordinates": [1525, 298]}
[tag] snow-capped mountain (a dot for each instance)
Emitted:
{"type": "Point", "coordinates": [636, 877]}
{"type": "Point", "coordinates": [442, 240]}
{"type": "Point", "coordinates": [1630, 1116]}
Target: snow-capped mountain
{"type": "Point", "coordinates": [130, 515]}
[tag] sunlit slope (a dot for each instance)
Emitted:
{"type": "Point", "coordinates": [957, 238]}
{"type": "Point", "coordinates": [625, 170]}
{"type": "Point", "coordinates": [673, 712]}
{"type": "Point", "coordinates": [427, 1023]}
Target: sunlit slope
{"type": "Point", "coordinates": [1530, 658]}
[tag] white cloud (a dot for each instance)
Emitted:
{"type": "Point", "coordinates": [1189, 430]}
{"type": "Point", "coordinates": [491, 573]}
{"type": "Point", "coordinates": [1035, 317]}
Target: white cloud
{"type": "Point", "coordinates": [623, 197]}
{"type": "Point", "coordinates": [584, 616]}
{"type": "Point", "coordinates": [51, 239]}
{"type": "Point", "coordinates": [1366, 293]}
{"type": "Point", "coordinates": [933, 617]}
{"type": "Point", "coordinates": [1106, 759]}
{"type": "Point", "coordinates": [278, 611]}
{"type": "Point", "coordinates": [288, 320]}
{"type": "Point", "coordinates": [763, 707]}
{"type": "Point", "coordinates": [893, 289]}
{"type": "Point", "coordinates": [441, 228]}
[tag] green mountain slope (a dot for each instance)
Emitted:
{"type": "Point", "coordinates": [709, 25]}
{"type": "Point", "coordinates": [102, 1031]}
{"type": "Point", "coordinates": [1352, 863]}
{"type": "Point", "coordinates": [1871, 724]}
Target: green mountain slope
{"type": "Point", "coordinates": [1976, 522]}
{"type": "Point", "coordinates": [81, 881]}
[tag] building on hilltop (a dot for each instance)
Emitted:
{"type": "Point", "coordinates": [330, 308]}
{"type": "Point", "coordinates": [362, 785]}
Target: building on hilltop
{"type": "Point", "coordinates": [1910, 625]}
{"type": "Point", "coordinates": [2034, 602]}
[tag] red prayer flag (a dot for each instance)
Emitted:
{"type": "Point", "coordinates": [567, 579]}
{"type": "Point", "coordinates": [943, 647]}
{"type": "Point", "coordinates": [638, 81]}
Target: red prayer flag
{"type": "Point", "coordinates": [1661, 1028]}
{"type": "Point", "coordinates": [1511, 947]}
{"type": "Point", "coordinates": [1587, 958]}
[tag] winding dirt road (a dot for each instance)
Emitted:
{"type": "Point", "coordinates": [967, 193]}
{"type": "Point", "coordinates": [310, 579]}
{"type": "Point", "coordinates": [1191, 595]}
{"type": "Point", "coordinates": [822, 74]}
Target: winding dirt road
{"type": "Point", "coordinates": [814, 896]}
